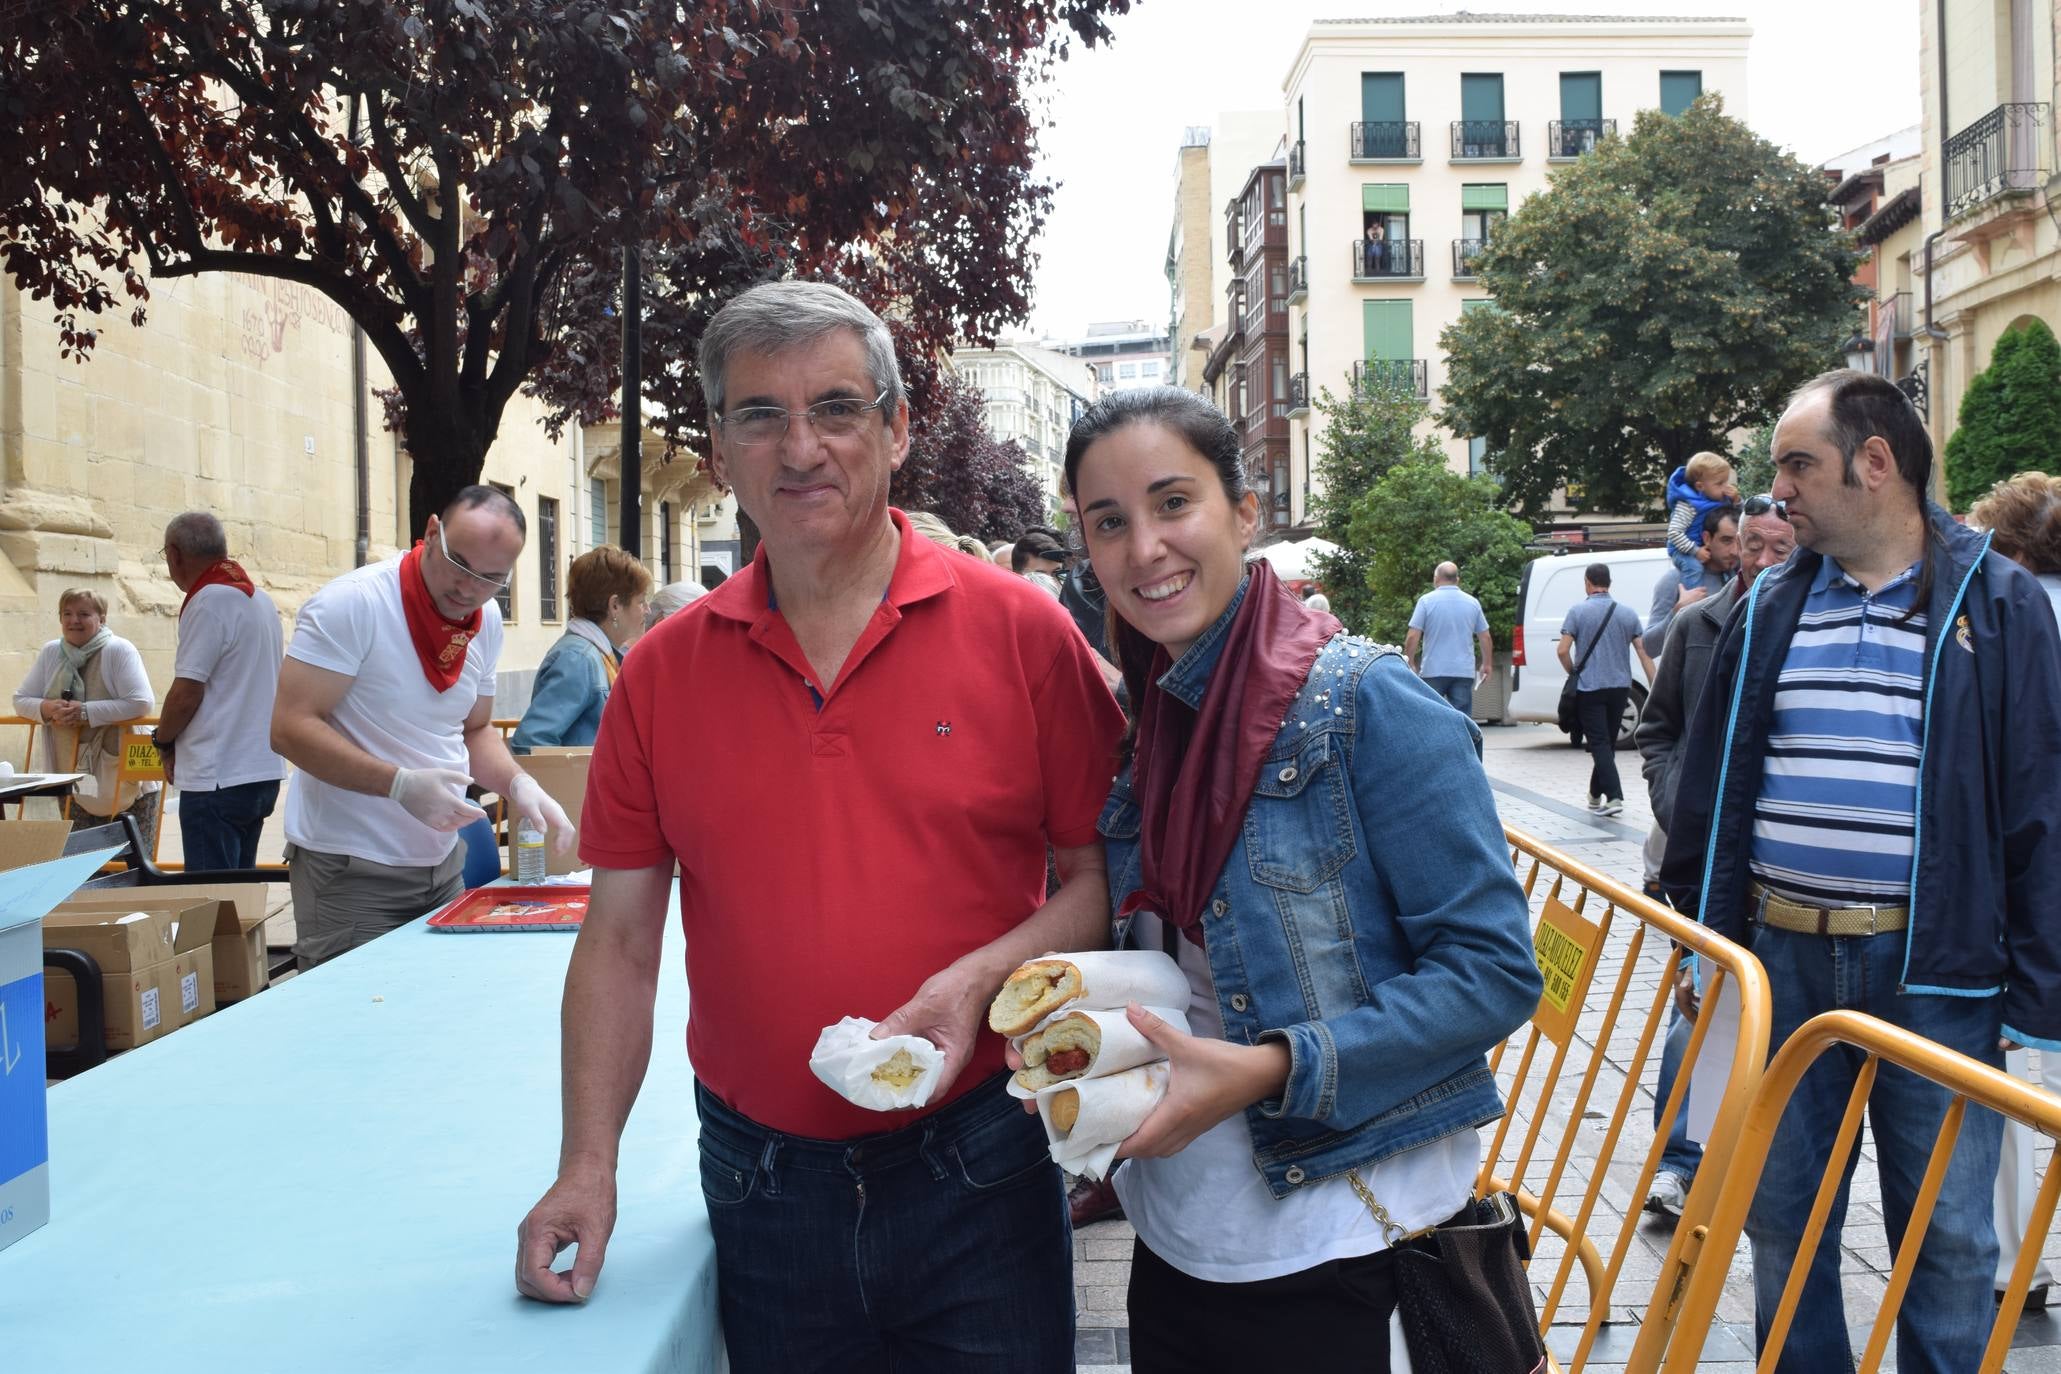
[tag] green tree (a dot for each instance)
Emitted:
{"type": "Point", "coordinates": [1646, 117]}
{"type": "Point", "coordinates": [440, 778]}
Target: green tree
{"type": "Point", "coordinates": [1754, 463]}
{"type": "Point", "coordinates": [2010, 416]}
{"type": "Point", "coordinates": [1368, 432]}
{"type": "Point", "coordinates": [1663, 291]}
{"type": "Point", "coordinates": [1420, 514]}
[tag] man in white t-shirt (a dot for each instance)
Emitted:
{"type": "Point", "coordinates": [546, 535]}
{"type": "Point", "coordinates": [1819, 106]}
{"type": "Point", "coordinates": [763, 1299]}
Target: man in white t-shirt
{"type": "Point", "coordinates": [212, 730]}
{"type": "Point", "coordinates": [386, 705]}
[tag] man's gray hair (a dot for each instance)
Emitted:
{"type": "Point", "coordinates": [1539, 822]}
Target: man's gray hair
{"type": "Point", "coordinates": [1446, 572]}
{"type": "Point", "coordinates": [197, 534]}
{"type": "Point", "coordinates": [776, 316]}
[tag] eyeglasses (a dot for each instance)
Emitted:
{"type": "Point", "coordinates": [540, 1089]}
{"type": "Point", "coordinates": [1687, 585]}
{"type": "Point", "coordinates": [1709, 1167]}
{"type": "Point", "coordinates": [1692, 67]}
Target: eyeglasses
{"type": "Point", "coordinates": [444, 547]}
{"type": "Point", "coordinates": [1765, 504]}
{"type": "Point", "coordinates": [753, 426]}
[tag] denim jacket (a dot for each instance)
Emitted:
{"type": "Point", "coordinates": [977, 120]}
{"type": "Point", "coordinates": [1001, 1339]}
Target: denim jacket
{"type": "Point", "coordinates": [1369, 917]}
{"type": "Point", "coordinates": [566, 699]}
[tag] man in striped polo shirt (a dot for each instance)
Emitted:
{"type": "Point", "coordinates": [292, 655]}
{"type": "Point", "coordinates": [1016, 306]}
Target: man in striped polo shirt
{"type": "Point", "coordinates": [1870, 797]}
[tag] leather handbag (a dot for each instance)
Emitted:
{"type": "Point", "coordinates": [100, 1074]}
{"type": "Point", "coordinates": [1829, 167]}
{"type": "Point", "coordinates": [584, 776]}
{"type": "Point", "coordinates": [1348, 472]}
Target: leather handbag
{"type": "Point", "coordinates": [1461, 1290]}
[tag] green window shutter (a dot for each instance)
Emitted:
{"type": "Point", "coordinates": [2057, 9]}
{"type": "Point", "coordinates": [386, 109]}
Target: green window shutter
{"type": "Point", "coordinates": [1468, 307]}
{"type": "Point", "coordinates": [1381, 97]}
{"type": "Point", "coordinates": [1387, 329]}
{"type": "Point", "coordinates": [1481, 98]}
{"type": "Point", "coordinates": [1485, 197]}
{"type": "Point", "coordinates": [1678, 91]}
{"type": "Point", "coordinates": [1581, 96]}
{"type": "Point", "coordinates": [1389, 199]}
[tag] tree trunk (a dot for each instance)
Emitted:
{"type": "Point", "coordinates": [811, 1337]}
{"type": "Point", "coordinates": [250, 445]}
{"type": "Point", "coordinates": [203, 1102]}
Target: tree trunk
{"type": "Point", "coordinates": [455, 458]}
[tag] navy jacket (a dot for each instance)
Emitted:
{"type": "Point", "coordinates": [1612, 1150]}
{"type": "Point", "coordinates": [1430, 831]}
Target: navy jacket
{"type": "Point", "coordinates": [1985, 898]}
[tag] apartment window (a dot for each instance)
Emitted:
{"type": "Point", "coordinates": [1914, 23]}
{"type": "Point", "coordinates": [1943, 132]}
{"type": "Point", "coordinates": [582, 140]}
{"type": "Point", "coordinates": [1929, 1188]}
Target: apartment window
{"type": "Point", "coordinates": [1127, 371]}
{"type": "Point", "coordinates": [547, 558]}
{"type": "Point", "coordinates": [1482, 208]}
{"type": "Point", "coordinates": [665, 543]}
{"type": "Point", "coordinates": [1384, 246]}
{"type": "Point", "coordinates": [1581, 113]}
{"type": "Point", "coordinates": [1281, 384]}
{"type": "Point", "coordinates": [505, 598]}
{"type": "Point", "coordinates": [1382, 131]}
{"type": "Point", "coordinates": [1149, 369]}
{"type": "Point", "coordinates": [1678, 91]}
{"type": "Point", "coordinates": [597, 512]}
{"type": "Point", "coordinates": [1477, 456]}
{"type": "Point", "coordinates": [1482, 130]}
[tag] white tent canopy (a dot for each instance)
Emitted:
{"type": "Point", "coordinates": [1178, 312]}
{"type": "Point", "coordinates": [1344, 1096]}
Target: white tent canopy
{"type": "Point", "coordinates": [1297, 562]}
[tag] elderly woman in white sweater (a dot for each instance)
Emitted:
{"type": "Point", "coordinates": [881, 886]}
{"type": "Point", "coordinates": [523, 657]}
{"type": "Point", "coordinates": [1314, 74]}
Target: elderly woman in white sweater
{"type": "Point", "coordinates": [84, 686]}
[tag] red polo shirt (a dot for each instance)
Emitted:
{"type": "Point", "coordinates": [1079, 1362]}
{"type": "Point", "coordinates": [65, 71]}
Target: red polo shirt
{"type": "Point", "coordinates": [834, 855]}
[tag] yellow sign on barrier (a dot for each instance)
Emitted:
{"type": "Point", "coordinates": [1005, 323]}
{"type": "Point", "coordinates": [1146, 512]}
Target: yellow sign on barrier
{"type": "Point", "coordinates": [141, 761]}
{"type": "Point", "coordinates": [1564, 946]}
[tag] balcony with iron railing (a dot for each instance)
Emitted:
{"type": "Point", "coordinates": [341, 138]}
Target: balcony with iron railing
{"type": "Point", "coordinates": [1568, 139]}
{"type": "Point", "coordinates": [1485, 140]}
{"type": "Point", "coordinates": [1387, 140]}
{"type": "Point", "coordinates": [1999, 154]}
{"type": "Point", "coordinates": [1411, 374]}
{"type": "Point", "coordinates": [1465, 251]}
{"type": "Point", "coordinates": [1298, 279]}
{"type": "Point", "coordinates": [1295, 164]}
{"type": "Point", "coordinates": [1898, 317]}
{"type": "Point", "coordinates": [1388, 260]}
{"type": "Point", "coordinates": [1299, 394]}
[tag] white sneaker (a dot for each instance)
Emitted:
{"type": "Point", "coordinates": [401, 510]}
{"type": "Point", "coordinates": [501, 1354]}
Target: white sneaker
{"type": "Point", "coordinates": [1670, 1191]}
{"type": "Point", "coordinates": [1596, 802]}
{"type": "Point", "coordinates": [1613, 807]}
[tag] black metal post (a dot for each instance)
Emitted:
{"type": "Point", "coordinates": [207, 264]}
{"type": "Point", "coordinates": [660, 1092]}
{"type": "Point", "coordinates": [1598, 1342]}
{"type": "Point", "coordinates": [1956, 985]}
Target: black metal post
{"type": "Point", "coordinates": [631, 505]}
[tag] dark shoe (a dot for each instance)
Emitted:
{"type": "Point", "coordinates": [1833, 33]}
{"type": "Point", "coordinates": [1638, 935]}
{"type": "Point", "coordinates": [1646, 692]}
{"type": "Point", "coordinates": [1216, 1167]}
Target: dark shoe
{"type": "Point", "coordinates": [2035, 1297]}
{"type": "Point", "coordinates": [1090, 1202]}
{"type": "Point", "coordinates": [1653, 890]}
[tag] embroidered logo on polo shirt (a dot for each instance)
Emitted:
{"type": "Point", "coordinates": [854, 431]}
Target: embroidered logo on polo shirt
{"type": "Point", "coordinates": [944, 727]}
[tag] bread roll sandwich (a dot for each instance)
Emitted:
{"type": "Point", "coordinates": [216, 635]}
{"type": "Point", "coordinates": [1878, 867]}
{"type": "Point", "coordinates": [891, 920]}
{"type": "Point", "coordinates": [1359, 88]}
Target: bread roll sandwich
{"type": "Point", "coordinates": [1085, 1044]}
{"type": "Point", "coordinates": [1065, 1109]}
{"type": "Point", "coordinates": [1102, 980]}
{"type": "Point", "coordinates": [1033, 992]}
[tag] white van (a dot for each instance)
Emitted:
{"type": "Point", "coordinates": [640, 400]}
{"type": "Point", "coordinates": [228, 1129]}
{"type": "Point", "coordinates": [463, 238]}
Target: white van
{"type": "Point", "coordinates": [1547, 590]}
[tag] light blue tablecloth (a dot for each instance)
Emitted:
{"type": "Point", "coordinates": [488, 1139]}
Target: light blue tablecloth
{"type": "Point", "coordinates": [329, 1176]}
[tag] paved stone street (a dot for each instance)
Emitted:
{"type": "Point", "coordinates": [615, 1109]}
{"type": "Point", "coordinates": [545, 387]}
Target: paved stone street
{"type": "Point", "coordinates": [1540, 785]}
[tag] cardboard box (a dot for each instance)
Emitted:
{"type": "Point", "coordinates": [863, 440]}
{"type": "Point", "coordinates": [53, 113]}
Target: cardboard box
{"type": "Point", "coordinates": [562, 773]}
{"type": "Point", "coordinates": [157, 968]}
{"type": "Point", "coordinates": [32, 842]}
{"type": "Point", "coordinates": [239, 940]}
{"type": "Point", "coordinates": [25, 895]}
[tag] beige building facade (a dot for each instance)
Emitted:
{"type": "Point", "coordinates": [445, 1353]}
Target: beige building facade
{"type": "Point", "coordinates": [237, 397]}
{"type": "Point", "coordinates": [1429, 132]}
{"type": "Point", "coordinates": [1991, 248]}
{"type": "Point", "coordinates": [1032, 395]}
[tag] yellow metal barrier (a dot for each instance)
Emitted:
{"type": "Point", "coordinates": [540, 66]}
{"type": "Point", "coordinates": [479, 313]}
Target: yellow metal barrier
{"type": "Point", "coordinates": [1562, 1160]}
{"type": "Point", "coordinates": [1969, 1081]}
{"type": "Point", "coordinates": [27, 762]}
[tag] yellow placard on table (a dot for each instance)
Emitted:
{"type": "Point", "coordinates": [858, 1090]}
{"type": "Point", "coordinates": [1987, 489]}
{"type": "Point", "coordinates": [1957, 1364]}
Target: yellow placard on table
{"type": "Point", "coordinates": [1565, 946]}
{"type": "Point", "coordinates": [141, 761]}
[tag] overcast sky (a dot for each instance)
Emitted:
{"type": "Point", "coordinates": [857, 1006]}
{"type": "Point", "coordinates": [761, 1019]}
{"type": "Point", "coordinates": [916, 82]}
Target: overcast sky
{"type": "Point", "coordinates": [1821, 79]}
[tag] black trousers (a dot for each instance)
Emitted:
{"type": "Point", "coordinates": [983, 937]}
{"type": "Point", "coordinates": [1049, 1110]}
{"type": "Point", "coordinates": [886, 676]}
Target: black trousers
{"type": "Point", "coordinates": [1600, 714]}
{"type": "Point", "coordinates": [1334, 1316]}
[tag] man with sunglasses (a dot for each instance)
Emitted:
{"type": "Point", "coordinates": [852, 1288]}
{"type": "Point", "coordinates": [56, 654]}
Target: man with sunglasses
{"type": "Point", "coordinates": [385, 708]}
{"type": "Point", "coordinates": [1867, 798]}
{"type": "Point", "coordinates": [856, 751]}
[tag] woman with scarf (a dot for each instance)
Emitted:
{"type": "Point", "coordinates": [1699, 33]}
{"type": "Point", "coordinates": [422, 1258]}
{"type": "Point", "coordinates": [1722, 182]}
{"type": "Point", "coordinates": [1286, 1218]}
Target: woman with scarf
{"type": "Point", "coordinates": [1306, 828]}
{"type": "Point", "coordinates": [607, 591]}
{"type": "Point", "coordinates": [84, 687]}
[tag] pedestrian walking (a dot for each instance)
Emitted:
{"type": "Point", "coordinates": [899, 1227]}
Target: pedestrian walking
{"type": "Point", "coordinates": [214, 732]}
{"type": "Point", "coordinates": [1448, 626]}
{"type": "Point", "coordinates": [1866, 798]}
{"type": "Point", "coordinates": [1283, 772]}
{"type": "Point", "coordinates": [859, 819]}
{"type": "Point", "coordinates": [386, 711]}
{"type": "Point", "coordinates": [1597, 641]}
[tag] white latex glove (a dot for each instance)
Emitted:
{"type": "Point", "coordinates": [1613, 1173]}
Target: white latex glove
{"type": "Point", "coordinates": [527, 797]}
{"type": "Point", "coordinates": [436, 797]}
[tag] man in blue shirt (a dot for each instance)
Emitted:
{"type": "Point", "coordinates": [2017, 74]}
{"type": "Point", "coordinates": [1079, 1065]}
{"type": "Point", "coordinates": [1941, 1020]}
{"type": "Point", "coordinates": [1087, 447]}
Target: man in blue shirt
{"type": "Point", "coordinates": [1448, 623]}
{"type": "Point", "coordinates": [1597, 641]}
{"type": "Point", "coordinates": [1867, 797]}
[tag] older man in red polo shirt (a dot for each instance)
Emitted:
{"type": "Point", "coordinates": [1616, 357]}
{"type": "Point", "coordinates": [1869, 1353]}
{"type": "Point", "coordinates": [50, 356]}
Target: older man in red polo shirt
{"type": "Point", "coordinates": [857, 751]}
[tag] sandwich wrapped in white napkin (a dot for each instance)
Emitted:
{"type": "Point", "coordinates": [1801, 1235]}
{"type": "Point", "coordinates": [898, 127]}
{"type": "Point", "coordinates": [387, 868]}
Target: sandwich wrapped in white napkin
{"type": "Point", "coordinates": [1099, 979]}
{"type": "Point", "coordinates": [1086, 1119]}
{"type": "Point", "coordinates": [1111, 1043]}
{"type": "Point", "coordinates": [883, 1075]}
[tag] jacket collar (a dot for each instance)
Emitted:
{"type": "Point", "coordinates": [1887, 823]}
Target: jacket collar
{"type": "Point", "coordinates": [1189, 676]}
{"type": "Point", "coordinates": [921, 571]}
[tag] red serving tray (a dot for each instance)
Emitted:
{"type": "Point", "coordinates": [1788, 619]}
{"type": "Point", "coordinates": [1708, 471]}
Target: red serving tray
{"type": "Point", "coordinates": [488, 909]}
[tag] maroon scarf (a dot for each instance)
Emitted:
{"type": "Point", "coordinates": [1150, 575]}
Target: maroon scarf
{"type": "Point", "coordinates": [1194, 770]}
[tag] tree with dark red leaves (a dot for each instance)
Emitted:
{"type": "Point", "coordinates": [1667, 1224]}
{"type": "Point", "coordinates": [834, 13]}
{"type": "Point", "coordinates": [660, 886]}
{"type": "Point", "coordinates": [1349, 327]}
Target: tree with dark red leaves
{"type": "Point", "coordinates": [956, 468]}
{"type": "Point", "coordinates": [459, 176]}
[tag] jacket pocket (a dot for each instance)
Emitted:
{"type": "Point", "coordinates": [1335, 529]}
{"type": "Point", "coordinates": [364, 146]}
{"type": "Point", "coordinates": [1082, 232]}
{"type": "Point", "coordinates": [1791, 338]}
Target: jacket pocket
{"type": "Point", "coordinates": [1298, 828]}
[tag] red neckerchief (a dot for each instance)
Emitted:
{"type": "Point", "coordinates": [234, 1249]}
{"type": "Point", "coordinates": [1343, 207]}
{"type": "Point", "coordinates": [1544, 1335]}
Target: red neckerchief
{"type": "Point", "coordinates": [1194, 770]}
{"type": "Point", "coordinates": [224, 572]}
{"type": "Point", "coordinates": [439, 643]}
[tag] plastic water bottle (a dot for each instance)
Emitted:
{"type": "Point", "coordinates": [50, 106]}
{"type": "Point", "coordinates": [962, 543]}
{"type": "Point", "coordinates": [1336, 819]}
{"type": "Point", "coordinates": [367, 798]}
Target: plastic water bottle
{"type": "Point", "coordinates": [529, 851]}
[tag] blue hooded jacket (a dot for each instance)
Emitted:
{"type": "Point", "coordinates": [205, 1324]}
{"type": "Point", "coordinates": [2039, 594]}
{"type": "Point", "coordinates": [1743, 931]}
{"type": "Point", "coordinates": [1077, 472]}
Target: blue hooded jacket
{"type": "Point", "coordinates": [1679, 490]}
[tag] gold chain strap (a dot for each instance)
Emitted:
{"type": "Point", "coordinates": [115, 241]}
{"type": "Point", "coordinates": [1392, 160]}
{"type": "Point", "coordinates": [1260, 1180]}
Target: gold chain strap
{"type": "Point", "coordinates": [1393, 1234]}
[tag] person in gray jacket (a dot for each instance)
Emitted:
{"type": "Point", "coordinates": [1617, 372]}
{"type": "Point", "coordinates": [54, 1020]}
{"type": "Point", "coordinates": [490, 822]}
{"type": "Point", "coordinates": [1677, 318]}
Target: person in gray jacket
{"type": "Point", "coordinates": [1765, 540]}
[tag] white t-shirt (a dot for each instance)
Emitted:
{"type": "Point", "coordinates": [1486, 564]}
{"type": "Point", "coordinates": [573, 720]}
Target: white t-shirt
{"type": "Point", "coordinates": [1208, 1213]}
{"type": "Point", "coordinates": [230, 644]}
{"type": "Point", "coordinates": [355, 625]}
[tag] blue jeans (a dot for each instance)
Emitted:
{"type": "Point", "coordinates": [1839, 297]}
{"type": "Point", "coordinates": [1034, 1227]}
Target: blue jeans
{"type": "Point", "coordinates": [1946, 1313]}
{"type": "Point", "coordinates": [1682, 1154]}
{"type": "Point", "coordinates": [220, 829]}
{"type": "Point", "coordinates": [1688, 566]}
{"type": "Point", "coordinates": [1457, 690]}
{"type": "Point", "coordinates": [943, 1246]}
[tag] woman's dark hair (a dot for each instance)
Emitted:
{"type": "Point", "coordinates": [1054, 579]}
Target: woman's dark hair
{"type": "Point", "coordinates": [1203, 428]}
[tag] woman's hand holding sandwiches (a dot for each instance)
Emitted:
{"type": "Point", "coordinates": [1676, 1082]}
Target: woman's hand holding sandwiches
{"type": "Point", "coordinates": [1209, 1080]}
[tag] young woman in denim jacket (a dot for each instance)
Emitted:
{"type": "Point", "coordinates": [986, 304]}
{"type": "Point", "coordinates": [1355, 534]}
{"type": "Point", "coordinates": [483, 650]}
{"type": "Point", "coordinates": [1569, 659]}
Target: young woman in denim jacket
{"type": "Point", "coordinates": [1306, 827]}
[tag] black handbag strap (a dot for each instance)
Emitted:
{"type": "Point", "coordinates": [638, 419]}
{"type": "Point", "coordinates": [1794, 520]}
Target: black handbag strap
{"type": "Point", "coordinates": [1583, 661]}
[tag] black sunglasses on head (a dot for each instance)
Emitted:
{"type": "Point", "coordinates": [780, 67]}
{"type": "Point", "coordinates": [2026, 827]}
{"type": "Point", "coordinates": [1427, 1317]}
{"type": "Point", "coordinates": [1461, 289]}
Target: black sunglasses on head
{"type": "Point", "coordinates": [1764, 504]}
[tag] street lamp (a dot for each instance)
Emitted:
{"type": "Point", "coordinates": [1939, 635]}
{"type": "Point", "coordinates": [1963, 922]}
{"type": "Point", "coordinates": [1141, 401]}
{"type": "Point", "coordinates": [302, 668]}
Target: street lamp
{"type": "Point", "coordinates": [1859, 350]}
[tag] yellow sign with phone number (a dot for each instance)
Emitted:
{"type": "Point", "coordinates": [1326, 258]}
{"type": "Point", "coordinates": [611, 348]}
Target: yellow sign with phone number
{"type": "Point", "coordinates": [141, 762]}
